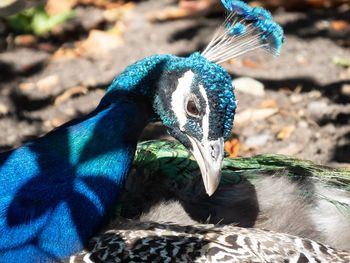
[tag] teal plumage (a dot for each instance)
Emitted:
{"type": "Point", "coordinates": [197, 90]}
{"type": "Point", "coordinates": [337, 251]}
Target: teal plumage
{"type": "Point", "coordinates": [58, 191]}
{"type": "Point", "coordinates": [271, 32]}
{"type": "Point", "coordinates": [62, 181]}
{"type": "Point", "coordinates": [53, 195]}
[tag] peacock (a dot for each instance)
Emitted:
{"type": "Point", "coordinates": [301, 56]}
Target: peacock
{"type": "Point", "coordinates": [58, 191]}
{"type": "Point", "coordinates": [274, 192]}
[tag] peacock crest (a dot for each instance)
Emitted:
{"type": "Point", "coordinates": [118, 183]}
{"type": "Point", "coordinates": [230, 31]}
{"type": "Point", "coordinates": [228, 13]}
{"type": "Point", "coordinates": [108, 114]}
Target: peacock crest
{"type": "Point", "coordinates": [245, 29]}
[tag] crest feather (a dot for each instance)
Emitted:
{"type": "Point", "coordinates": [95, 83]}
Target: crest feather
{"type": "Point", "coordinates": [245, 29]}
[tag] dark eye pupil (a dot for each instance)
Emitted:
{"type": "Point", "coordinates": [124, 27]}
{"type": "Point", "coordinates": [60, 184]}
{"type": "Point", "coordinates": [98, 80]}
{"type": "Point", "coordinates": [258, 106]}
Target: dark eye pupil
{"type": "Point", "coordinates": [192, 108]}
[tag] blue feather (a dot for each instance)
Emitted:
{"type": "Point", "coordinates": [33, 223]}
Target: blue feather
{"type": "Point", "coordinates": [271, 32]}
{"type": "Point", "coordinates": [59, 190]}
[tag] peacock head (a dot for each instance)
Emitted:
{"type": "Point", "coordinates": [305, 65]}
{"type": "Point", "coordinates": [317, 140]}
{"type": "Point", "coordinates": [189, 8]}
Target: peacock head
{"type": "Point", "coordinates": [193, 96]}
{"type": "Point", "coordinates": [196, 102]}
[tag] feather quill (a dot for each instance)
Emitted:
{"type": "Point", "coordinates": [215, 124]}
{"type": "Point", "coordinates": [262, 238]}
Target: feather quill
{"type": "Point", "coordinates": [245, 29]}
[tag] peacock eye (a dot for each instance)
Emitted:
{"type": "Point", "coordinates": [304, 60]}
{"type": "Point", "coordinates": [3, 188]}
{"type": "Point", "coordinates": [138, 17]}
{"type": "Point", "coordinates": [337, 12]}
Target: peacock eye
{"type": "Point", "coordinates": [192, 108]}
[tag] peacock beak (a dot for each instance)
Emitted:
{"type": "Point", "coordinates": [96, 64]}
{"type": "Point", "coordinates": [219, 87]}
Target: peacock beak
{"type": "Point", "coordinates": [209, 156]}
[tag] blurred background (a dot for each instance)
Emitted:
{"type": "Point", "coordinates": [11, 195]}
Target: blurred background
{"type": "Point", "coordinates": [57, 58]}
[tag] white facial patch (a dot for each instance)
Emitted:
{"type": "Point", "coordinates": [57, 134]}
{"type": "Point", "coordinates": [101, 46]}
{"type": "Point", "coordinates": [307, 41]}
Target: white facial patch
{"type": "Point", "coordinates": [178, 98]}
{"type": "Point", "coordinates": [205, 121]}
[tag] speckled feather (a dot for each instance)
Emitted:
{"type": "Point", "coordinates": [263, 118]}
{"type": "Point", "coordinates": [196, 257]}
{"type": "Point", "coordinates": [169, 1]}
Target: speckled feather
{"type": "Point", "coordinates": [153, 242]}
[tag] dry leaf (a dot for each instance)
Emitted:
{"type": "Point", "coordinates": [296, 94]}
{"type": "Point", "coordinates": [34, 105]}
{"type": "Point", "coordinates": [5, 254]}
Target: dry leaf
{"type": "Point", "coordinates": [339, 25]}
{"type": "Point", "coordinates": [26, 86]}
{"type": "Point", "coordinates": [56, 122]}
{"type": "Point", "coordinates": [79, 90]}
{"type": "Point", "coordinates": [252, 115]}
{"type": "Point", "coordinates": [3, 109]}
{"type": "Point", "coordinates": [271, 103]}
{"type": "Point", "coordinates": [45, 84]}
{"type": "Point", "coordinates": [255, 4]}
{"type": "Point", "coordinates": [54, 7]}
{"type": "Point", "coordinates": [106, 4]}
{"type": "Point", "coordinates": [249, 86]}
{"type": "Point", "coordinates": [113, 14]}
{"type": "Point", "coordinates": [250, 63]}
{"type": "Point", "coordinates": [167, 14]}
{"type": "Point", "coordinates": [65, 53]}
{"type": "Point", "coordinates": [345, 89]}
{"type": "Point", "coordinates": [25, 40]}
{"type": "Point", "coordinates": [285, 132]}
{"type": "Point", "coordinates": [100, 42]}
{"type": "Point", "coordinates": [232, 147]}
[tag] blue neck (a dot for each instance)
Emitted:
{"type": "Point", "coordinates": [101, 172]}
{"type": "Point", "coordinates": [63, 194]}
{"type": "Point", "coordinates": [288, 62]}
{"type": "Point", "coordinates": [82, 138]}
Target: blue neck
{"type": "Point", "coordinates": [57, 192]}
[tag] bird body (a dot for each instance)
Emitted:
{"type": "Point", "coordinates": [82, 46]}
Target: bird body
{"type": "Point", "coordinates": [58, 191]}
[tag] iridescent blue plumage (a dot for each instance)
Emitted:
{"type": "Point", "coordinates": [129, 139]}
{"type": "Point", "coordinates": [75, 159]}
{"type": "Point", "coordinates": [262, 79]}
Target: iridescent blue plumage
{"type": "Point", "coordinates": [57, 192]}
{"type": "Point", "coordinates": [213, 77]}
{"type": "Point", "coordinates": [271, 32]}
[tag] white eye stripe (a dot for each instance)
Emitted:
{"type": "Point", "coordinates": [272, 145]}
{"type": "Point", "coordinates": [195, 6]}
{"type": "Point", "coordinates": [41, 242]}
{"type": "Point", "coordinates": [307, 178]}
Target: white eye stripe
{"type": "Point", "coordinates": [177, 100]}
{"type": "Point", "coordinates": [205, 121]}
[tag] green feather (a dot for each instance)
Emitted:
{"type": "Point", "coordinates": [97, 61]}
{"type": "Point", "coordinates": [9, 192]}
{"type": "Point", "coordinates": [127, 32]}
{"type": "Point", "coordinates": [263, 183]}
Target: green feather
{"type": "Point", "coordinates": [171, 160]}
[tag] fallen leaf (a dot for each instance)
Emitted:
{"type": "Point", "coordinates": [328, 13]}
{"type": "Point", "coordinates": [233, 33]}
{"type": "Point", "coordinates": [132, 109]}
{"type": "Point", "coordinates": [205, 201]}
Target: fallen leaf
{"type": "Point", "coordinates": [113, 14]}
{"type": "Point", "coordinates": [65, 53]}
{"type": "Point", "coordinates": [167, 14]}
{"type": "Point", "coordinates": [3, 109]}
{"type": "Point", "coordinates": [249, 86]}
{"type": "Point", "coordinates": [345, 89]}
{"type": "Point", "coordinates": [232, 147]}
{"type": "Point", "coordinates": [106, 4]}
{"type": "Point", "coordinates": [271, 103]}
{"type": "Point", "coordinates": [25, 40]}
{"type": "Point", "coordinates": [79, 90]}
{"type": "Point", "coordinates": [56, 122]}
{"type": "Point", "coordinates": [250, 63]}
{"type": "Point", "coordinates": [54, 7]}
{"type": "Point", "coordinates": [47, 47]}
{"type": "Point", "coordinates": [339, 25]}
{"type": "Point", "coordinates": [255, 4]}
{"type": "Point", "coordinates": [100, 43]}
{"type": "Point", "coordinates": [285, 133]}
{"type": "Point", "coordinates": [253, 115]}
{"type": "Point", "coordinates": [45, 84]}
{"type": "Point", "coordinates": [26, 86]}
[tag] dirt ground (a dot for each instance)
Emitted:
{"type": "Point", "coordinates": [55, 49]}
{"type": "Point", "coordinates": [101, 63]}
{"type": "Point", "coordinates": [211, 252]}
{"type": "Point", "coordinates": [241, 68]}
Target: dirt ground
{"type": "Point", "coordinates": [299, 106]}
